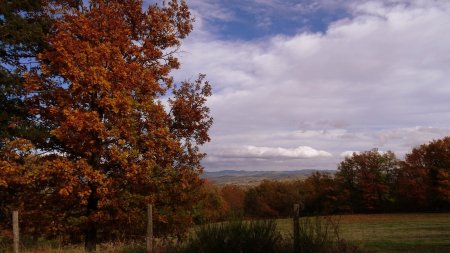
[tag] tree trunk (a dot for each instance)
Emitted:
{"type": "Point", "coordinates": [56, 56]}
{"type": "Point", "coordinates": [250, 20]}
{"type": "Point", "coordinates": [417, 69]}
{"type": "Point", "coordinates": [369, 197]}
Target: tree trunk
{"type": "Point", "coordinates": [90, 234]}
{"type": "Point", "coordinates": [90, 240]}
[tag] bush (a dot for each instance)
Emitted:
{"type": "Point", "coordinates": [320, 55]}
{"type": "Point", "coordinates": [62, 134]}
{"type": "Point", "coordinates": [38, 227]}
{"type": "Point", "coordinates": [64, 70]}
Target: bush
{"type": "Point", "coordinates": [236, 236]}
{"type": "Point", "coordinates": [316, 235]}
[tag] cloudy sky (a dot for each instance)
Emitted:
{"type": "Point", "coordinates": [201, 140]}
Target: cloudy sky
{"type": "Point", "coordinates": [299, 84]}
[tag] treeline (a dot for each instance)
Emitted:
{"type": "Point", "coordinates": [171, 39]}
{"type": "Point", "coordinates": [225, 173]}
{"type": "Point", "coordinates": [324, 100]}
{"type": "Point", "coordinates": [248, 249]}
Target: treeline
{"type": "Point", "coordinates": [366, 182]}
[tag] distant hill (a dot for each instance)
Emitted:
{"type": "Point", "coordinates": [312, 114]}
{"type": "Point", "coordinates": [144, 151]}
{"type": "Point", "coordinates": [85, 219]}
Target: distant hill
{"type": "Point", "coordinates": [241, 177]}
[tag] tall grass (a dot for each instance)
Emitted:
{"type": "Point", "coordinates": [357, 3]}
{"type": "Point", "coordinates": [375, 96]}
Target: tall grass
{"type": "Point", "coordinates": [236, 236]}
{"type": "Point", "coordinates": [321, 234]}
{"type": "Point", "coordinates": [317, 235]}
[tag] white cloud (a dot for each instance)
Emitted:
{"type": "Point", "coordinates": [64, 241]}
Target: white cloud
{"type": "Point", "coordinates": [301, 152]}
{"type": "Point", "coordinates": [380, 79]}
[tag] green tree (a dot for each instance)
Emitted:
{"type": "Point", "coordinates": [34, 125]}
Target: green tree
{"type": "Point", "coordinates": [211, 207]}
{"type": "Point", "coordinates": [321, 193]}
{"type": "Point", "coordinates": [23, 25]}
{"type": "Point", "coordinates": [366, 181]}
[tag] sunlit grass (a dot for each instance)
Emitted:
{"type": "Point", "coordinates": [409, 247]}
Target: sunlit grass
{"type": "Point", "coordinates": [392, 232]}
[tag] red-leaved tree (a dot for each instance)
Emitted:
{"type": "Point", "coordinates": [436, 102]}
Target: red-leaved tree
{"type": "Point", "coordinates": [424, 177]}
{"type": "Point", "coordinates": [117, 142]}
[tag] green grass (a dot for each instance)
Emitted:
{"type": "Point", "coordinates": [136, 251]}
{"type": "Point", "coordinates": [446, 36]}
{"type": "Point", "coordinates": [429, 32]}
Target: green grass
{"type": "Point", "coordinates": [424, 233]}
{"type": "Point", "coordinates": [390, 233]}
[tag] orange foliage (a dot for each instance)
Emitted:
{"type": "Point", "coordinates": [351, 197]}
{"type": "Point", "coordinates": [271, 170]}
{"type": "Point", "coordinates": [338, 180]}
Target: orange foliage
{"type": "Point", "coordinates": [234, 196]}
{"type": "Point", "coordinates": [114, 146]}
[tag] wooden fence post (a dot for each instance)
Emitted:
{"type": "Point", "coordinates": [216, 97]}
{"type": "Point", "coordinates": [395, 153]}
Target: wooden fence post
{"type": "Point", "coordinates": [296, 228]}
{"type": "Point", "coordinates": [149, 228]}
{"type": "Point", "coordinates": [15, 217]}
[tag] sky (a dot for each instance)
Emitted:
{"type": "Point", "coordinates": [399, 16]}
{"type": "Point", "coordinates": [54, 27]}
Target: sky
{"type": "Point", "coordinates": [300, 84]}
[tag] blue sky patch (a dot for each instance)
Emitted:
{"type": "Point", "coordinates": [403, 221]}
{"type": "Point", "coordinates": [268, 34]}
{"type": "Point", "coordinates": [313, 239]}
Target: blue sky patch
{"type": "Point", "coordinates": [249, 21]}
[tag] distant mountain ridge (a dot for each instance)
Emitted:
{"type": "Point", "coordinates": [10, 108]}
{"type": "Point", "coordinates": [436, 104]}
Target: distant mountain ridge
{"type": "Point", "coordinates": [242, 177]}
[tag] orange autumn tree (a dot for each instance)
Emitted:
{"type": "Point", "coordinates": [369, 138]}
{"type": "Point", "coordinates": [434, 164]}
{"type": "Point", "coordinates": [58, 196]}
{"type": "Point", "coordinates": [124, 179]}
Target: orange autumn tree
{"type": "Point", "coordinates": [115, 143]}
{"type": "Point", "coordinates": [234, 197]}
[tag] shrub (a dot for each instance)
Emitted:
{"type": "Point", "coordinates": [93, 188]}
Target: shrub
{"type": "Point", "coordinates": [236, 236]}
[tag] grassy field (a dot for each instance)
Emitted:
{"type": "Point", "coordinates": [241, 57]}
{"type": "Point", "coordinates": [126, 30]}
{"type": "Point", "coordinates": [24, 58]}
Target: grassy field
{"type": "Point", "coordinates": [424, 233]}
{"type": "Point", "coordinates": [390, 233]}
